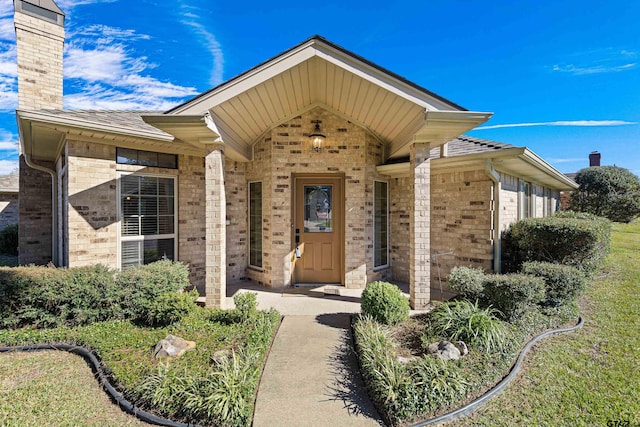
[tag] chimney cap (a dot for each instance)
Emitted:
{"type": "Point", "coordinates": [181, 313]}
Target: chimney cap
{"type": "Point", "coordinates": [43, 9]}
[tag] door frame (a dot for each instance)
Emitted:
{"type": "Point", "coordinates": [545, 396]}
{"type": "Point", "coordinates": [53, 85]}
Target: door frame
{"type": "Point", "coordinates": [342, 226]}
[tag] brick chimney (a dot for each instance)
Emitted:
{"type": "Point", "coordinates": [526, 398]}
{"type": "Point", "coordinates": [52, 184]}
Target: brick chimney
{"type": "Point", "coordinates": [594, 159]}
{"type": "Point", "coordinates": [39, 26]}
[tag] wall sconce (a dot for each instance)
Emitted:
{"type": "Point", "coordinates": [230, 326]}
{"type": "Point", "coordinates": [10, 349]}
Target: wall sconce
{"type": "Point", "coordinates": [317, 138]}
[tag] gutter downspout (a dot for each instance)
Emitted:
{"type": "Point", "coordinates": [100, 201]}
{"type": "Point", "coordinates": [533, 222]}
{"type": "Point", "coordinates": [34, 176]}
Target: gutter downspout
{"type": "Point", "coordinates": [54, 204]}
{"type": "Point", "coordinates": [497, 186]}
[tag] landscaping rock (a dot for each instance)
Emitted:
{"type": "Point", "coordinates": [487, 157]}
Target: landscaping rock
{"type": "Point", "coordinates": [221, 355]}
{"type": "Point", "coordinates": [172, 347]}
{"type": "Point", "coordinates": [445, 350]}
{"type": "Point", "coordinates": [464, 350]}
{"type": "Point", "coordinates": [405, 360]}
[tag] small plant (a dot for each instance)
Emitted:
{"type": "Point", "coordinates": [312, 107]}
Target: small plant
{"type": "Point", "coordinates": [465, 321]}
{"type": "Point", "coordinates": [171, 307]}
{"type": "Point", "coordinates": [438, 383]}
{"type": "Point", "coordinates": [385, 303]}
{"type": "Point", "coordinates": [563, 283]}
{"type": "Point", "coordinates": [513, 294]}
{"type": "Point", "coordinates": [467, 281]}
{"type": "Point", "coordinates": [246, 305]}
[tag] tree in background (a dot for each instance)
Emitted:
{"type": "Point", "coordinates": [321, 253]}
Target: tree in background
{"type": "Point", "coordinates": [608, 191]}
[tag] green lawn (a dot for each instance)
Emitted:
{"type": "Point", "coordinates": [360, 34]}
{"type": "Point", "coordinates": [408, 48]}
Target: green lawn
{"type": "Point", "coordinates": [54, 388]}
{"type": "Point", "coordinates": [590, 377]}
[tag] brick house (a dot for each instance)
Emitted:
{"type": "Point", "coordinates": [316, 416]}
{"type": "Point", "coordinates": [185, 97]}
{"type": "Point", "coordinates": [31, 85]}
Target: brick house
{"type": "Point", "coordinates": [316, 166]}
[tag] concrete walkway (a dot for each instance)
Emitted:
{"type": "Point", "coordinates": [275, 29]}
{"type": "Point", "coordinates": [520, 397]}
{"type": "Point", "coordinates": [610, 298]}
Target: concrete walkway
{"type": "Point", "coordinates": [311, 377]}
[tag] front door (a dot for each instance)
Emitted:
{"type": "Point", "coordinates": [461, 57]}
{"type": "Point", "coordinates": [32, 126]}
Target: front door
{"type": "Point", "coordinates": [318, 229]}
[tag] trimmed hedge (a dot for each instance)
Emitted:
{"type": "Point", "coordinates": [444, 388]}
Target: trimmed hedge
{"type": "Point", "coordinates": [385, 303]}
{"type": "Point", "coordinates": [513, 294]}
{"type": "Point", "coordinates": [563, 283]}
{"type": "Point", "coordinates": [49, 297]}
{"type": "Point", "coordinates": [467, 281]}
{"type": "Point", "coordinates": [577, 239]}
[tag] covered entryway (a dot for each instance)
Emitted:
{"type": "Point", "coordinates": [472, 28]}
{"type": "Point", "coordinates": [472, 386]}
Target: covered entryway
{"type": "Point", "coordinates": [318, 229]}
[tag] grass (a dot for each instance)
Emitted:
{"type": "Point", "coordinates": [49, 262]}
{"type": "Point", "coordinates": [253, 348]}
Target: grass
{"type": "Point", "coordinates": [590, 377]}
{"type": "Point", "coordinates": [126, 351]}
{"type": "Point", "coordinates": [35, 390]}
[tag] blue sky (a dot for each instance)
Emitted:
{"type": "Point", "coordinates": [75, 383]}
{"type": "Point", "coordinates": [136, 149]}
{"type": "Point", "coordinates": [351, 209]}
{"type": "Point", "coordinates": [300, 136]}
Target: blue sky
{"type": "Point", "coordinates": [562, 77]}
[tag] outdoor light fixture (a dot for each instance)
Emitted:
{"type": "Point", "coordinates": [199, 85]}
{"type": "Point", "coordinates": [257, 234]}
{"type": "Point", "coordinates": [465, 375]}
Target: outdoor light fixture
{"type": "Point", "coordinates": [317, 138]}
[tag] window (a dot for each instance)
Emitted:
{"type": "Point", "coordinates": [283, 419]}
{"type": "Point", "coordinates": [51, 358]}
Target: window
{"type": "Point", "coordinates": [318, 202]}
{"type": "Point", "coordinates": [381, 223]}
{"type": "Point", "coordinates": [148, 220]}
{"type": "Point", "coordinates": [524, 201]}
{"type": "Point", "coordinates": [548, 203]}
{"type": "Point", "coordinates": [255, 224]}
{"type": "Point", "coordinates": [127, 156]}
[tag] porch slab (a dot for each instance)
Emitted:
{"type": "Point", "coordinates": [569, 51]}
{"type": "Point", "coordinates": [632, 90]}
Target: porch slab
{"type": "Point", "coordinates": [313, 300]}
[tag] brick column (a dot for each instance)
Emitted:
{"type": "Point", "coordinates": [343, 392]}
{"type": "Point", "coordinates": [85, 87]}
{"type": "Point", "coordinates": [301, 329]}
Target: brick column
{"type": "Point", "coordinates": [215, 228]}
{"type": "Point", "coordinates": [420, 225]}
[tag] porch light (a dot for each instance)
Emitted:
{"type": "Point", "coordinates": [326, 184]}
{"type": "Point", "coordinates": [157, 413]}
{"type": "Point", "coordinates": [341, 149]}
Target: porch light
{"type": "Point", "coordinates": [317, 138]}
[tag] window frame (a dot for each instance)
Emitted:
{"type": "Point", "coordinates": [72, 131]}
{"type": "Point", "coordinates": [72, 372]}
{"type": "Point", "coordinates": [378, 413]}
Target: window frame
{"type": "Point", "coordinates": [521, 199]}
{"type": "Point", "coordinates": [375, 231]}
{"type": "Point", "coordinates": [142, 238]}
{"type": "Point", "coordinates": [261, 228]}
{"type": "Point", "coordinates": [138, 162]}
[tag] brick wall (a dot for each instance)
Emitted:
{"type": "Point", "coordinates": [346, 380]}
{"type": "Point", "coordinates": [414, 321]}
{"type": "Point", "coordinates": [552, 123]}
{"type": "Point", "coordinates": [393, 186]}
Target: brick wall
{"type": "Point", "coordinates": [9, 209]}
{"type": "Point", "coordinates": [191, 243]}
{"type": "Point", "coordinates": [91, 190]}
{"type": "Point", "coordinates": [35, 215]}
{"type": "Point", "coordinates": [400, 206]}
{"type": "Point", "coordinates": [461, 220]}
{"type": "Point", "coordinates": [237, 221]}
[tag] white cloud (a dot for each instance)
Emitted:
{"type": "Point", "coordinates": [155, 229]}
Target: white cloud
{"type": "Point", "coordinates": [66, 5]}
{"type": "Point", "coordinates": [8, 166]}
{"type": "Point", "coordinates": [598, 69]}
{"type": "Point", "coordinates": [103, 34]}
{"type": "Point", "coordinates": [208, 40]}
{"type": "Point", "coordinates": [566, 160]}
{"type": "Point", "coordinates": [598, 61]}
{"type": "Point", "coordinates": [8, 77]}
{"type": "Point", "coordinates": [7, 32]}
{"type": "Point", "coordinates": [578, 123]}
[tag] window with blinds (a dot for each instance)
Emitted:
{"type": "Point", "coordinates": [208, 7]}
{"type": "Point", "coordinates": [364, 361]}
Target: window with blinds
{"type": "Point", "coordinates": [381, 223]}
{"type": "Point", "coordinates": [147, 217]}
{"type": "Point", "coordinates": [255, 224]}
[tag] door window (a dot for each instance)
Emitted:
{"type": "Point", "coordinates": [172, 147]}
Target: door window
{"type": "Point", "coordinates": [317, 209]}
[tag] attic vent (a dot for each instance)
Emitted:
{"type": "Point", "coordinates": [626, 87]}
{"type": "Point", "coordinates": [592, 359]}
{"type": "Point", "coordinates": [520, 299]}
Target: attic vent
{"type": "Point", "coordinates": [40, 12]}
{"type": "Point", "coordinates": [342, 129]}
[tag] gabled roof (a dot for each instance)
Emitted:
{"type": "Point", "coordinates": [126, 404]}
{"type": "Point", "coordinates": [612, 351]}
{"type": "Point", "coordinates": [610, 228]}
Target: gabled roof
{"type": "Point", "coordinates": [319, 73]}
{"type": "Point", "coordinates": [468, 152]}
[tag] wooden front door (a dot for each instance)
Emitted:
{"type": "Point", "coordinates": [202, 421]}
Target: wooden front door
{"type": "Point", "coordinates": [318, 229]}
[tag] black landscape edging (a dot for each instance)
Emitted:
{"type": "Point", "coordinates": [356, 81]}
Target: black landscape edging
{"type": "Point", "coordinates": [471, 407]}
{"type": "Point", "coordinates": [98, 369]}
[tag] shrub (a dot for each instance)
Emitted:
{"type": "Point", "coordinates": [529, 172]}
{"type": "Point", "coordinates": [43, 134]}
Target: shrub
{"type": "Point", "coordinates": [171, 307]}
{"type": "Point", "coordinates": [607, 191]}
{"type": "Point", "coordinates": [467, 281]}
{"type": "Point", "coordinates": [513, 294]}
{"type": "Point", "coordinates": [385, 303]}
{"type": "Point", "coordinates": [402, 391]}
{"type": "Point", "coordinates": [9, 240]}
{"type": "Point", "coordinates": [140, 286]}
{"type": "Point", "coordinates": [48, 297]}
{"type": "Point", "coordinates": [464, 320]}
{"type": "Point", "coordinates": [562, 282]}
{"type": "Point", "coordinates": [577, 240]}
{"type": "Point", "coordinates": [246, 305]}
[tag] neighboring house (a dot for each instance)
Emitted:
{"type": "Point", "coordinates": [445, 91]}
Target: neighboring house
{"type": "Point", "coordinates": [9, 209]}
{"type": "Point", "coordinates": [316, 166]}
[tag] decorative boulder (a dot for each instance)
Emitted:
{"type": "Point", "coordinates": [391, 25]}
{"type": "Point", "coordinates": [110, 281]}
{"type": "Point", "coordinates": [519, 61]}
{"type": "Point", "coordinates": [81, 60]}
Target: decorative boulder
{"type": "Point", "coordinates": [172, 347]}
{"type": "Point", "coordinates": [464, 350]}
{"type": "Point", "coordinates": [221, 356]}
{"type": "Point", "coordinates": [444, 350]}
